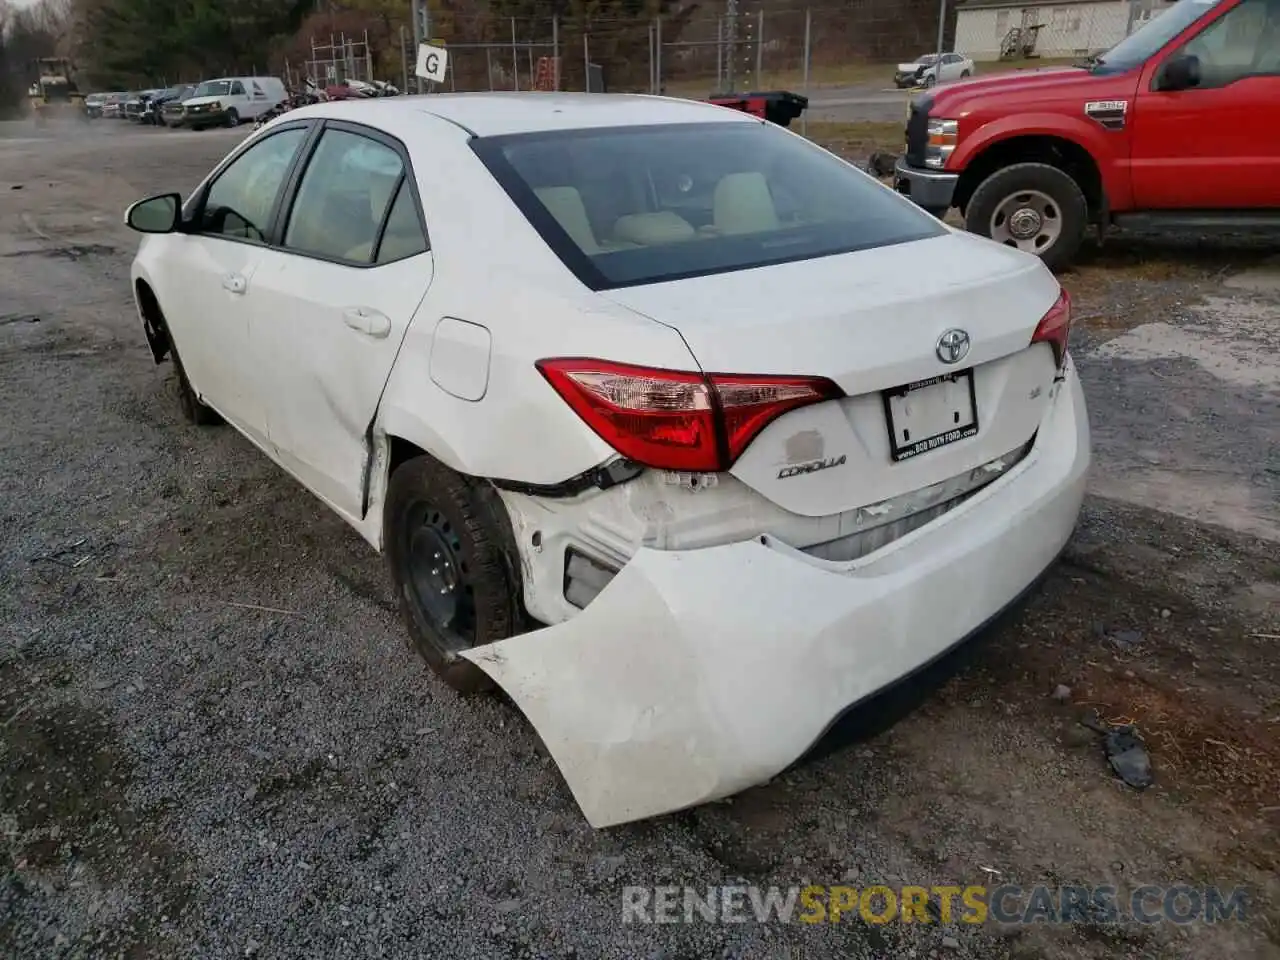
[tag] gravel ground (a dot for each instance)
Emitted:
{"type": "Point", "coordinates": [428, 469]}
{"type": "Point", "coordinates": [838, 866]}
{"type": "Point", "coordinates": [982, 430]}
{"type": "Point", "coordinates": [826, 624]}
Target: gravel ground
{"type": "Point", "coordinates": [215, 742]}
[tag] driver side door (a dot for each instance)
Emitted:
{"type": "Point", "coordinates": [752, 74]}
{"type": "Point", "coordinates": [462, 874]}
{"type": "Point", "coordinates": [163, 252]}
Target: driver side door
{"type": "Point", "coordinates": [1214, 146]}
{"type": "Point", "coordinates": [210, 275]}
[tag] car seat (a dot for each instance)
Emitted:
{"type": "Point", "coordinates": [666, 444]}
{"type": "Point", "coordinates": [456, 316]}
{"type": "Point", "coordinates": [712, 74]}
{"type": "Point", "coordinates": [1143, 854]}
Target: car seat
{"type": "Point", "coordinates": [565, 204]}
{"type": "Point", "coordinates": [742, 203]}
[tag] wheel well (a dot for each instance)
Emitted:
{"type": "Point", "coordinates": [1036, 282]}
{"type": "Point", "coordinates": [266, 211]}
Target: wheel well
{"type": "Point", "coordinates": [401, 452]}
{"type": "Point", "coordinates": [152, 320]}
{"type": "Point", "coordinates": [1059, 152]}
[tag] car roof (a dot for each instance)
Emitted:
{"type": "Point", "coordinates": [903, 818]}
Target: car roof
{"type": "Point", "coordinates": [497, 114]}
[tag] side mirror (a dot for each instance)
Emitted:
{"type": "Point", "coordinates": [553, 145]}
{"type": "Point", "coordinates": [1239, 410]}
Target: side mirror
{"type": "Point", "coordinates": [161, 214]}
{"type": "Point", "coordinates": [1180, 73]}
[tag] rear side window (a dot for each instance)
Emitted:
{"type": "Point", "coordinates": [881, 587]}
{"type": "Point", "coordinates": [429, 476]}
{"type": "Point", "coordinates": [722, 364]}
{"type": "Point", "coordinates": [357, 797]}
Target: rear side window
{"type": "Point", "coordinates": [349, 184]}
{"type": "Point", "coordinates": [634, 205]}
{"type": "Point", "coordinates": [403, 235]}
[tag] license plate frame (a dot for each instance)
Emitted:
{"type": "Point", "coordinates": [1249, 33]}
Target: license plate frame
{"type": "Point", "coordinates": [908, 450]}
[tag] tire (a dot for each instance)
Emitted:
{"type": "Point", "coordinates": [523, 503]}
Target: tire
{"type": "Point", "coordinates": [1024, 178]}
{"type": "Point", "coordinates": [233, 118]}
{"type": "Point", "coordinates": [965, 74]}
{"type": "Point", "coordinates": [435, 515]}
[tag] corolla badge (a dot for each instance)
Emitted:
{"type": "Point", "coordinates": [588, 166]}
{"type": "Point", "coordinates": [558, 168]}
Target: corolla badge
{"type": "Point", "coordinates": [952, 346]}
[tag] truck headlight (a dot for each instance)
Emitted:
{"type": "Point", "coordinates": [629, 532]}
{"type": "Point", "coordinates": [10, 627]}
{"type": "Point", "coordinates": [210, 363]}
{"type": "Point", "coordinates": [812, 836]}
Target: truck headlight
{"type": "Point", "coordinates": [942, 142]}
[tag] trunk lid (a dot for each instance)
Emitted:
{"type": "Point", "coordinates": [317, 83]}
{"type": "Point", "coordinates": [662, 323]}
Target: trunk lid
{"type": "Point", "coordinates": [871, 321]}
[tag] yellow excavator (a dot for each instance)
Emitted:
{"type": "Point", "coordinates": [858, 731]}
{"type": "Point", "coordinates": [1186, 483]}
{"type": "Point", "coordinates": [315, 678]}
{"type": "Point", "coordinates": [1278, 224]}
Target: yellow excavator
{"type": "Point", "coordinates": [53, 92]}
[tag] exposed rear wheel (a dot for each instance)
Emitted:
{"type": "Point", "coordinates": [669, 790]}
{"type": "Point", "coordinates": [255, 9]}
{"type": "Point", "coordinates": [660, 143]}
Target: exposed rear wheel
{"type": "Point", "coordinates": [1034, 207]}
{"type": "Point", "coordinates": [449, 548]}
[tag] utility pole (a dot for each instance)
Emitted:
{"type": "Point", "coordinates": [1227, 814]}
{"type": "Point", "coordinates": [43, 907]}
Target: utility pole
{"type": "Point", "coordinates": [942, 39]}
{"type": "Point", "coordinates": [731, 38]}
{"type": "Point", "coordinates": [421, 34]}
{"type": "Point", "coordinates": [417, 39]}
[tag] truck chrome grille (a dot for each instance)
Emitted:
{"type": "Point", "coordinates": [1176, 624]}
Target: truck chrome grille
{"type": "Point", "coordinates": [918, 131]}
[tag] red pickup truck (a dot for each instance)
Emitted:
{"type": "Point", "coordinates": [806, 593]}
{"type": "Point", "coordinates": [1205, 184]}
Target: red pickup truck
{"type": "Point", "coordinates": [1177, 125]}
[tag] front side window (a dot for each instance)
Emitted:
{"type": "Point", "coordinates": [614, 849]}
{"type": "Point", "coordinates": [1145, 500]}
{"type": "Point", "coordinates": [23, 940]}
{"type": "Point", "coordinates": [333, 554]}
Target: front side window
{"type": "Point", "coordinates": [237, 89]}
{"type": "Point", "coordinates": [632, 205]}
{"type": "Point", "coordinates": [240, 201]}
{"type": "Point", "coordinates": [1243, 42]}
{"type": "Point", "coordinates": [343, 198]}
{"type": "Point", "coordinates": [1141, 45]}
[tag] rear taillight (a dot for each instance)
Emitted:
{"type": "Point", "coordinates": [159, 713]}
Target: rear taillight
{"type": "Point", "coordinates": [676, 420]}
{"type": "Point", "coordinates": [1055, 326]}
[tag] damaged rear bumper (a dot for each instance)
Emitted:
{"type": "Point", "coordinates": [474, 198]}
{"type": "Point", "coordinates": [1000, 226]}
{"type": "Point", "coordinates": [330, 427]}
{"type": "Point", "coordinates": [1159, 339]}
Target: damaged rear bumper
{"type": "Point", "coordinates": [698, 673]}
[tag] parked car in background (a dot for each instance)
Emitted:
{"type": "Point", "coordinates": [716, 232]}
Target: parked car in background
{"type": "Point", "coordinates": [350, 90]}
{"type": "Point", "coordinates": [153, 112]}
{"type": "Point", "coordinates": [482, 329]}
{"type": "Point", "coordinates": [113, 105]}
{"type": "Point", "coordinates": [303, 99]}
{"type": "Point", "coordinates": [1176, 126]}
{"type": "Point", "coordinates": [172, 110]}
{"type": "Point", "coordinates": [228, 101]}
{"type": "Point", "coordinates": [925, 72]}
{"type": "Point", "coordinates": [136, 103]}
{"type": "Point", "coordinates": [94, 104]}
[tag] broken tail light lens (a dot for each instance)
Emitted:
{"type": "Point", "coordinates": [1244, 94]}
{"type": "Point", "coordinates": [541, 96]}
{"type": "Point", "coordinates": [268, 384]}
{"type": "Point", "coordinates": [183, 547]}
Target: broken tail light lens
{"type": "Point", "coordinates": [678, 420]}
{"type": "Point", "coordinates": [1054, 328]}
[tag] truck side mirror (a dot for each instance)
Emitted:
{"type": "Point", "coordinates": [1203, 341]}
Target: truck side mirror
{"type": "Point", "coordinates": [1180, 73]}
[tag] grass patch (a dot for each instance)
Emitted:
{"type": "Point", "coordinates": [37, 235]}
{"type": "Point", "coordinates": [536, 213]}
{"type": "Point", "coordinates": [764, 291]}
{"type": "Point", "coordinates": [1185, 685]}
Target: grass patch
{"type": "Point", "coordinates": [850, 74]}
{"type": "Point", "coordinates": [857, 140]}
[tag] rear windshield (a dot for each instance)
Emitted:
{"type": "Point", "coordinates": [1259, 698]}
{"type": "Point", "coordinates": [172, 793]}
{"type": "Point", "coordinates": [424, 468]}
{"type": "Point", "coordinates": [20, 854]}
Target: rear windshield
{"type": "Point", "coordinates": [632, 205]}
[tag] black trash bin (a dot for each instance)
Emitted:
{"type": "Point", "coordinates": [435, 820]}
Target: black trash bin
{"type": "Point", "coordinates": [776, 106]}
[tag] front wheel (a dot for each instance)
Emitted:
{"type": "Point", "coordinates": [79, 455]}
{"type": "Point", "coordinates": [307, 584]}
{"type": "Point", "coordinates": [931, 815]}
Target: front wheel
{"type": "Point", "coordinates": [1034, 207]}
{"type": "Point", "coordinates": [233, 118]}
{"type": "Point", "coordinates": [449, 548]}
{"type": "Point", "coordinates": [193, 411]}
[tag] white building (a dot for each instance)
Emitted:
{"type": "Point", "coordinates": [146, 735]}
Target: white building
{"type": "Point", "coordinates": [1067, 27]}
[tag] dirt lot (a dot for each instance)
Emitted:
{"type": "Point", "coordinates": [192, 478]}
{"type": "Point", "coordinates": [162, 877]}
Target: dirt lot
{"type": "Point", "coordinates": [214, 742]}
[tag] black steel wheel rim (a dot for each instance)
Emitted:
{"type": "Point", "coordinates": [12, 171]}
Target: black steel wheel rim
{"type": "Point", "coordinates": [438, 578]}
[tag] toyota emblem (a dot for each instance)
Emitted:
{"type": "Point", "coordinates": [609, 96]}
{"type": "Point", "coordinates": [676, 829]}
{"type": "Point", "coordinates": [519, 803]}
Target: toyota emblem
{"type": "Point", "coordinates": [953, 346]}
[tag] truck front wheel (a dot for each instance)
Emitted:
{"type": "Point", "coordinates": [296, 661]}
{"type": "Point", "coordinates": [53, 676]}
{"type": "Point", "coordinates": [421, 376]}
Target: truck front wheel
{"type": "Point", "coordinates": [1034, 207]}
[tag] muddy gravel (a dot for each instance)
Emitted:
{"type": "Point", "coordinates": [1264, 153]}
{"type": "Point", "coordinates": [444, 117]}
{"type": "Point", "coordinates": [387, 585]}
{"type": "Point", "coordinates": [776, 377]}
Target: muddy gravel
{"type": "Point", "coordinates": [214, 741]}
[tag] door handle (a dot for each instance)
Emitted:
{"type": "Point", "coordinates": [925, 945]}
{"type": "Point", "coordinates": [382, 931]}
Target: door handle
{"type": "Point", "coordinates": [369, 322]}
{"type": "Point", "coordinates": [234, 283]}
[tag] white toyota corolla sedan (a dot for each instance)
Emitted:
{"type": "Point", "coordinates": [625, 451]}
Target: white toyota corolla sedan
{"type": "Point", "coordinates": [683, 431]}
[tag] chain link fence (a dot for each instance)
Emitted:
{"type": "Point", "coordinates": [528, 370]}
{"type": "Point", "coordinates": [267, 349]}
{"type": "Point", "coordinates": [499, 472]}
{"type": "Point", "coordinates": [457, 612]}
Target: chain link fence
{"type": "Point", "coordinates": [783, 44]}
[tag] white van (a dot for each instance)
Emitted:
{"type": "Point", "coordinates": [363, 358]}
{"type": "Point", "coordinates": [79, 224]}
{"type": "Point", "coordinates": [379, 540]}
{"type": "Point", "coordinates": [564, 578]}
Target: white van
{"type": "Point", "coordinates": [229, 101]}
